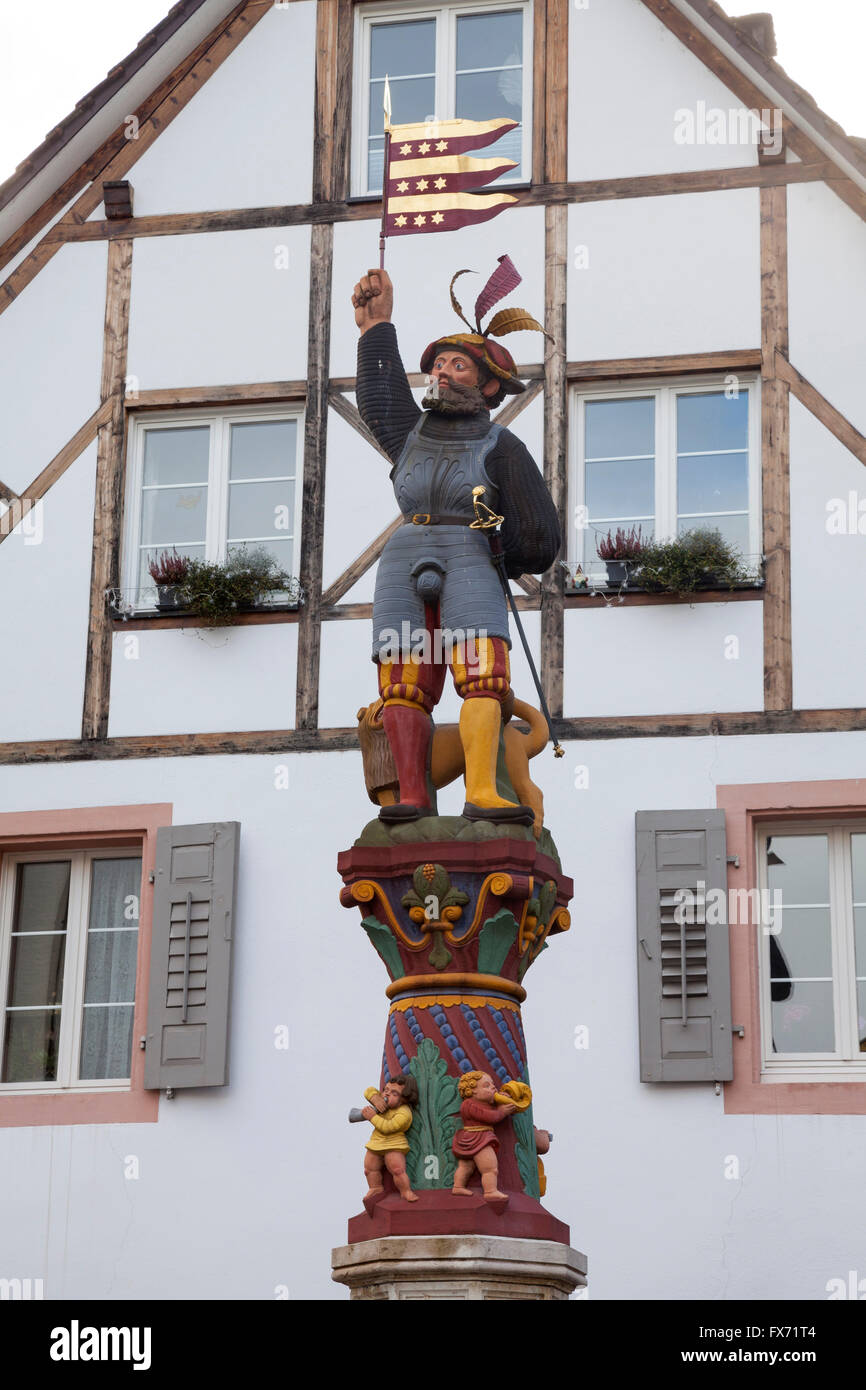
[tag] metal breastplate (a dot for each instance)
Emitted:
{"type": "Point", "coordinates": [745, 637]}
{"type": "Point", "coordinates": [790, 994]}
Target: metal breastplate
{"type": "Point", "coordinates": [437, 475]}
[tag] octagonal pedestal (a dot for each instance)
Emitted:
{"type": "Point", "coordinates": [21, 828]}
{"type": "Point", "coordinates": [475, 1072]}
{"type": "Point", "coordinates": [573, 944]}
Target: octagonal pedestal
{"type": "Point", "coordinates": [459, 1267]}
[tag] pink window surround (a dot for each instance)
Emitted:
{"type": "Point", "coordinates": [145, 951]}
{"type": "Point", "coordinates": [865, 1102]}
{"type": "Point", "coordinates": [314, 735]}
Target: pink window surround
{"type": "Point", "coordinates": [93, 827]}
{"type": "Point", "coordinates": [745, 807]}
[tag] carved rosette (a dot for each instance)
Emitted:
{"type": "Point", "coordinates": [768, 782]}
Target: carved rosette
{"type": "Point", "coordinates": [457, 925]}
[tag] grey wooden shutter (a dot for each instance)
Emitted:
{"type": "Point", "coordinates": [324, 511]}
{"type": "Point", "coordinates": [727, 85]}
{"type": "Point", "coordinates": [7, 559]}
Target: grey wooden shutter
{"type": "Point", "coordinates": [191, 945]}
{"type": "Point", "coordinates": [684, 971]}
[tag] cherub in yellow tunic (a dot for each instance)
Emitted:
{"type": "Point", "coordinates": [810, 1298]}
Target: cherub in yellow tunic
{"type": "Point", "coordinates": [390, 1113]}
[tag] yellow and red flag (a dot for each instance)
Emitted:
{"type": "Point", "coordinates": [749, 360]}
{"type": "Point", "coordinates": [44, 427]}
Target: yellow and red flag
{"type": "Point", "coordinates": [428, 174]}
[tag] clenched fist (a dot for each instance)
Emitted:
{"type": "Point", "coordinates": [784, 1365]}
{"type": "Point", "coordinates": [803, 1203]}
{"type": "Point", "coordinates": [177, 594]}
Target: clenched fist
{"type": "Point", "coordinates": [373, 299]}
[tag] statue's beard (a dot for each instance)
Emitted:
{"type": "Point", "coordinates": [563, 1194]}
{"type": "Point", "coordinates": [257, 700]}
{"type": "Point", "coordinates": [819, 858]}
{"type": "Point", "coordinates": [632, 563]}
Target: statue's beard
{"type": "Point", "coordinates": [452, 399]}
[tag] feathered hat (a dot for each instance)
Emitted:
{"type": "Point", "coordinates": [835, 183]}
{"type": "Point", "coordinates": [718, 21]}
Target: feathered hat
{"type": "Point", "coordinates": [478, 343]}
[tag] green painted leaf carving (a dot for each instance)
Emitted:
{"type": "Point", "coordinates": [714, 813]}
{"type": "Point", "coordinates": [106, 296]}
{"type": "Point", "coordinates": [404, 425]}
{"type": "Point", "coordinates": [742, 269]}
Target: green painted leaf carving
{"type": "Point", "coordinates": [430, 1162]}
{"type": "Point", "coordinates": [547, 901]}
{"type": "Point", "coordinates": [495, 941]}
{"type": "Point", "coordinates": [440, 955]}
{"type": "Point", "coordinates": [385, 945]}
{"type": "Point", "coordinates": [525, 1151]}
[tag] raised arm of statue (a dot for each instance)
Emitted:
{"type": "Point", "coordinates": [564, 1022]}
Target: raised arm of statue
{"type": "Point", "coordinates": [384, 396]}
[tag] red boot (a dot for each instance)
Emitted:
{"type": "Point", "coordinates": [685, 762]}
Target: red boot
{"type": "Point", "coordinates": [410, 735]}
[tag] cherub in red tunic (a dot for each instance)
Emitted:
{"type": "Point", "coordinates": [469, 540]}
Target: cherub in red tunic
{"type": "Point", "coordinates": [475, 1145]}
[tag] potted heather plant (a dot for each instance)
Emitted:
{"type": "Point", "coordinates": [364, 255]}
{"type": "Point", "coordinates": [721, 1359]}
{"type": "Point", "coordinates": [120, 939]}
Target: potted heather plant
{"type": "Point", "coordinates": [621, 553]}
{"type": "Point", "coordinates": [168, 572]}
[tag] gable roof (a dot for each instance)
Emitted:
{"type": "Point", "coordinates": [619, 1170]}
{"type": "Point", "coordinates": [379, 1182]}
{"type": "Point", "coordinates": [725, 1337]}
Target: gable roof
{"type": "Point", "coordinates": [130, 82]}
{"type": "Point", "coordinates": [749, 42]}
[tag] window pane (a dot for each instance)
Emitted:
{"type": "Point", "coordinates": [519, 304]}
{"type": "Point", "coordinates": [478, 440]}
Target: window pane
{"type": "Point", "coordinates": [483, 95]}
{"type": "Point", "coordinates": [713, 483]}
{"type": "Point", "coordinates": [733, 529]}
{"type": "Point", "coordinates": [261, 509]}
{"type": "Point", "coordinates": [42, 897]}
{"type": "Point", "coordinates": [489, 40]}
{"type": "Point", "coordinates": [798, 866]}
{"type": "Point", "coordinates": [30, 1052]}
{"type": "Point", "coordinates": [615, 429]}
{"type": "Point", "coordinates": [858, 874]}
{"type": "Point", "coordinates": [36, 969]}
{"type": "Point", "coordinates": [106, 1044]}
{"type": "Point", "coordinates": [397, 49]}
{"type": "Point", "coordinates": [708, 420]}
{"type": "Point", "coordinates": [176, 455]}
{"type": "Point", "coordinates": [804, 1021]}
{"type": "Point", "coordinates": [621, 488]}
{"type": "Point", "coordinates": [112, 954]}
{"type": "Point", "coordinates": [376, 164]}
{"type": "Point", "coordinates": [412, 99]}
{"type": "Point", "coordinates": [282, 551]}
{"type": "Point", "coordinates": [172, 516]}
{"type": "Point", "coordinates": [264, 449]}
{"type": "Point", "coordinates": [861, 1015]}
{"type": "Point", "coordinates": [803, 943]}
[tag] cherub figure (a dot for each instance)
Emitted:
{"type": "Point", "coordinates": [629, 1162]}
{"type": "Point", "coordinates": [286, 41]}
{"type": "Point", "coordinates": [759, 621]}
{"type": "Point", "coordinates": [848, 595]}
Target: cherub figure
{"type": "Point", "coordinates": [475, 1145]}
{"type": "Point", "coordinates": [390, 1113]}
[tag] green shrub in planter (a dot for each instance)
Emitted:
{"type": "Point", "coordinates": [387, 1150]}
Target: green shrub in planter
{"type": "Point", "coordinates": [217, 593]}
{"type": "Point", "coordinates": [697, 559]}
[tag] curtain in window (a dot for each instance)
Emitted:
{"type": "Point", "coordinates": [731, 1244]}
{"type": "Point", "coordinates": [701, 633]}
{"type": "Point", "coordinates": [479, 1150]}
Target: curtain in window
{"type": "Point", "coordinates": [112, 952]}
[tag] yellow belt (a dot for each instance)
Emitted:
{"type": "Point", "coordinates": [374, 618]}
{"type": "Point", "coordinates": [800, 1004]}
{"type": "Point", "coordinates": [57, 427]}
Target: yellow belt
{"type": "Point", "coordinates": [477, 1126]}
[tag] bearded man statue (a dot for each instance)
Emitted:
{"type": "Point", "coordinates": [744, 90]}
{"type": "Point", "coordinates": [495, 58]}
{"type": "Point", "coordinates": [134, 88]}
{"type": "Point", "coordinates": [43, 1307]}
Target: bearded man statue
{"type": "Point", "coordinates": [439, 599]}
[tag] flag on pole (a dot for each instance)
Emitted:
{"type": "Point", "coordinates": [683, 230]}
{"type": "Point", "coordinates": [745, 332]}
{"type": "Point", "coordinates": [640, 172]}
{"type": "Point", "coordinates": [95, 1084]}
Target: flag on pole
{"type": "Point", "coordinates": [428, 173]}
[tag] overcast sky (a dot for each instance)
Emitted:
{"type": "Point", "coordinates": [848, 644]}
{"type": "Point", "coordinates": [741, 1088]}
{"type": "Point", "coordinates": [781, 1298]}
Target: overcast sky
{"type": "Point", "coordinates": [52, 52]}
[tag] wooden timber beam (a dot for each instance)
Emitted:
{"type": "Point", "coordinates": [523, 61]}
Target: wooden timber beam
{"type": "Point", "coordinates": [821, 408]}
{"type": "Point", "coordinates": [266, 742]}
{"type": "Point", "coordinates": [108, 507]}
{"type": "Point", "coordinates": [540, 195]}
{"type": "Point", "coordinates": [246, 391]}
{"type": "Point", "coordinates": [350, 414]}
{"type": "Point", "coordinates": [71, 450]}
{"type": "Point", "coordinates": [327, 175]}
{"type": "Point", "coordinates": [775, 452]}
{"type": "Point", "coordinates": [6, 493]}
{"type": "Point", "coordinates": [240, 23]}
{"type": "Point", "coordinates": [555, 170]}
{"type": "Point", "coordinates": [359, 566]}
{"type": "Point", "coordinates": [676, 364]}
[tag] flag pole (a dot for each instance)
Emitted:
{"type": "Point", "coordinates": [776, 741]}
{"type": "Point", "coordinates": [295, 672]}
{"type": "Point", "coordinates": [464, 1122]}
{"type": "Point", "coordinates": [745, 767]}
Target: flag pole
{"type": "Point", "coordinates": [386, 102]}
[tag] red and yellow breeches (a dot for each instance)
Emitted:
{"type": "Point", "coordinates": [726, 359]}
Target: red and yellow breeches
{"type": "Point", "coordinates": [479, 667]}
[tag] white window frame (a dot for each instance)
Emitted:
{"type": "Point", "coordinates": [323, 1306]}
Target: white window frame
{"type": "Point", "coordinates": [75, 962]}
{"type": "Point", "coordinates": [445, 86]}
{"type": "Point", "coordinates": [847, 1063]}
{"type": "Point", "coordinates": [582, 547]}
{"type": "Point", "coordinates": [216, 526]}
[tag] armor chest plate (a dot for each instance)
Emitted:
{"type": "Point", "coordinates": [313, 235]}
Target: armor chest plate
{"type": "Point", "coordinates": [438, 475]}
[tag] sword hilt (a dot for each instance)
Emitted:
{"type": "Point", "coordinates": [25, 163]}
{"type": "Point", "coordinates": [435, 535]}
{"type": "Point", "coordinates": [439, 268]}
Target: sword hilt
{"type": "Point", "coordinates": [485, 518]}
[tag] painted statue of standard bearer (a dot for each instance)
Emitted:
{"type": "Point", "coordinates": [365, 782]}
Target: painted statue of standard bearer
{"type": "Point", "coordinates": [438, 592]}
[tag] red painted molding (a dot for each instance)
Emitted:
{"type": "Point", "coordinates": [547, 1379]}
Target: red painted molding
{"type": "Point", "coordinates": [92, 827]}
{"type": "Point", "coordinates": [745, 806]}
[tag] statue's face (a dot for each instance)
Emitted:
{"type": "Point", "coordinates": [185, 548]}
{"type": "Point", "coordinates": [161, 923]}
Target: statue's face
{"type": "Point", "coordinates": [485, 1089]}
{"type": "Point", "coordinates": [455, 389]}
{"type": "Point", "coordinates": [393, 1095]}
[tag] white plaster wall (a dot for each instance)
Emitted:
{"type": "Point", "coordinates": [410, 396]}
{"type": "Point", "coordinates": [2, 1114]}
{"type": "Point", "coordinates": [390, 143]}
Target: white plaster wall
{"type": "Point", "coordinates": [198, 680]}
{"type": "Point", "coordinates": [246, 139]}
{"type": "Point", "coordinates": [628, 77]}
{"type": "Point", "coordinates": [827, 296]}
{"type": "Point", "coordinates": [359, 504]}
{"type": "Point", "coordinates": [45, 587]}
{"type": "Point", "coordinates": [50, 360]}
{"type": "Point", "coordinates": [637, 1171]}
{"type": "Point", "coordinates": [827, 569]}
{"type": "Point", "coordinates": [666, 275]}
{"type": "Point", "coordinates": [217, 308]}
{"type": "Point", "coordinates": [421, 268]}
{"type": "Point", "coordinates": [663, 659]}
{"type": "Point", "coordinates": [15, 261]}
